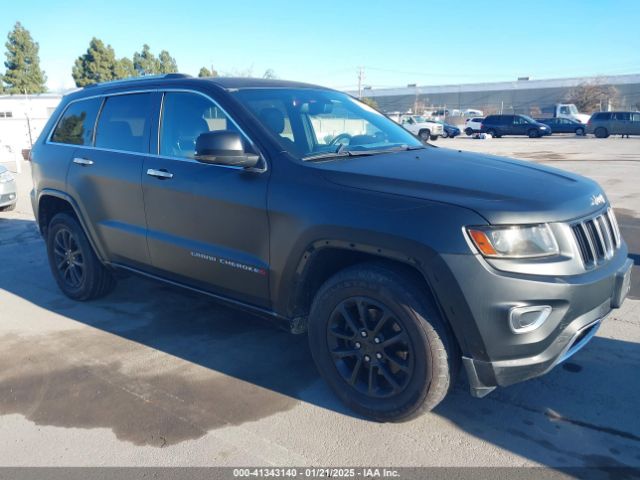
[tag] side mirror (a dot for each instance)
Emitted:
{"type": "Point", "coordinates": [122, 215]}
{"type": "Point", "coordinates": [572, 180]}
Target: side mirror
{"type": "Point", "coordinates": [224, 147]}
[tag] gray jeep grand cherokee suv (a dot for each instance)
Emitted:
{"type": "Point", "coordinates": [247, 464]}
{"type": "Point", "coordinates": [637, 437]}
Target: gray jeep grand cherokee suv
{"type": "Point", "coordinates": [400, 260]}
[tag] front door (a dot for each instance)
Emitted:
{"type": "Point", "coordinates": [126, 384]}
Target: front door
{"type": "Point", "coordinates": [207, 224]}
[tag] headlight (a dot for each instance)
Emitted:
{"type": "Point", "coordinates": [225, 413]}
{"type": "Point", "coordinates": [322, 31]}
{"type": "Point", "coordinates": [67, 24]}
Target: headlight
{"type": "Point", "coordinates": [6, 176]}
{"type": "Point", "coordinates": [514, 241]}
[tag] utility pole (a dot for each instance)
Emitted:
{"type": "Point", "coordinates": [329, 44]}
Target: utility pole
{"type": "Point", "coordinates": [360, 80]}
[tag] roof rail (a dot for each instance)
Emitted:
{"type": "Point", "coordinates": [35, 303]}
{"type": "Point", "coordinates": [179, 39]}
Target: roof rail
{"type": "Point", "coordinates": [140, 79]}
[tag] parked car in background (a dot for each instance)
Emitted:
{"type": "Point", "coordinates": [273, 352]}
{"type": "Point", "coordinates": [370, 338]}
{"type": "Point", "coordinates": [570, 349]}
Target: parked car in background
{"type": "Point", "coordinates": [564, 110]}
{"type": "Point", "coordinates": [564, 125]}
{"type": "Point", "coordinates": [472, 125]}
{"type": "Point", "coordinates": [499, 125]}
{"type": "Point", "coordinates": [419, 125]}
{"type": "Point", "coordinates": [603, 124]}
{"type": "Point", "coordinates": [471, 112]}
{"type": "Point", "coordinates": [449, 131]}
{"type": "Point", "coordinates": [8, 195]}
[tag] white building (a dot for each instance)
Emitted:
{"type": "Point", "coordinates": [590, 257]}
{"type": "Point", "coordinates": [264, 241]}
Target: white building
{"type": "Point", "coordinates": [22, 118]}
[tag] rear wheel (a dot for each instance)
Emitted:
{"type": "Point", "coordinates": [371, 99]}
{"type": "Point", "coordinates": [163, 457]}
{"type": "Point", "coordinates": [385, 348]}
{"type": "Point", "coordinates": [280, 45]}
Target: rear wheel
{"type": "Point", "coordinates": [492, 132]}
{"type": "Point", "coordinates": [445, 134]}
{"type": "Point", "coordinates": [601, 132]}
{"type": "Point", "coordinates": [74, 265]}
{"type": "Point", "coordinates": [433, 138]}
{"type": "Point", "coordinates": [379, 342]}
{"type": "Point", "coordinates": [533, 133]}
{"type": "Point", "coordinates": [468, 131]}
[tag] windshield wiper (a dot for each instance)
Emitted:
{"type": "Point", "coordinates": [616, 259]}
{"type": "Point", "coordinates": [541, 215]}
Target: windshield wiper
{"type": "Point", "coordinates": [342, 152]}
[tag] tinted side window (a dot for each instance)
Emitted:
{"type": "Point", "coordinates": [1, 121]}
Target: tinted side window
{"type": "Point", "coordinates": [124, 123]}
{"type": "Point", "coordinates": [184, 117]}
{"type": "Point", "coordinates": [603, 116]}
{"type": "Point", "coordinates": [490, 119]}
{"type": "Point", "coordinates": [621, 116]}
{"type": "Point", "coordinates": [77, 123]}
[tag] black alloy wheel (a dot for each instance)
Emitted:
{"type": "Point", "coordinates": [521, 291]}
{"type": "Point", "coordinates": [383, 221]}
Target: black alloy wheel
{"type": "Point", "coordinates": [370, 348]}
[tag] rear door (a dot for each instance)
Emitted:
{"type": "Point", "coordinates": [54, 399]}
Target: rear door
{"type": "Point", "coordinates": [621, 123]}
{"type": "Point", "coordinates": [106, 178]}
{"type": "Point", "coordinates": [207, 224]}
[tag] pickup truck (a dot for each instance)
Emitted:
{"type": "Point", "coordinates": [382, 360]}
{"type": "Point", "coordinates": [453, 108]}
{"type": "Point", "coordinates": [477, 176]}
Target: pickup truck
{"type": "Point", "coordinates": [564, 110]}
{"type": "Point", "coordinates": [419, 125]}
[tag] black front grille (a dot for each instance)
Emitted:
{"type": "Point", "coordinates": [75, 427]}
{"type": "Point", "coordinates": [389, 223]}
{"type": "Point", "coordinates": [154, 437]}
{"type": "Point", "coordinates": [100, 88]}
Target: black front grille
{"type": "Point", "coordinates": [598, 237]}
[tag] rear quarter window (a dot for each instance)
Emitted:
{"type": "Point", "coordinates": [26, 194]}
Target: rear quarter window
{"type": "Point", "coordinates": [76, 125]}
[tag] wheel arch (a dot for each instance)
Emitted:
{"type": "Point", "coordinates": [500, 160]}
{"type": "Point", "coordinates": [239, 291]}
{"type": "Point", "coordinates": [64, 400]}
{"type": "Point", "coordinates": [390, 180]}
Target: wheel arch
{"type": "Point", "coordinates": [324, 258]}
{"type": "Point", "coordinates": [50, 202]}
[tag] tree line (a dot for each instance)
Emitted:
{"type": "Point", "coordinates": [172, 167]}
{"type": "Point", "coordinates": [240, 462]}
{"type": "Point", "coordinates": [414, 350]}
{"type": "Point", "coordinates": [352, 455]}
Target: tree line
{"type": "Point", "coordinates": [98, 64]}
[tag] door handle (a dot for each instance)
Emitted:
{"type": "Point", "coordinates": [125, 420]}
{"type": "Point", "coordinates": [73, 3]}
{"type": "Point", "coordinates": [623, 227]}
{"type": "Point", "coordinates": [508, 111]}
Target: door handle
{"type": "Point", "coordinates": [83, 161]}
{"type": "Point", "coordinates": [159, 173]}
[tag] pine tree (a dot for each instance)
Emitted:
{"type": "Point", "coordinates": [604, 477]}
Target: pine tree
{"type": "Point", "coordinates": [167, 63]}
{"type": "Point", "coordinates": [205, 72]}
{"type": "Point", "coordinates": [124, 68]}
{"type": "Point", "coordinates": [145, 62]}
{"type": "Point", "coordinates": [98, 64]}
{"type": "Point", "coordinates": [23, 73]}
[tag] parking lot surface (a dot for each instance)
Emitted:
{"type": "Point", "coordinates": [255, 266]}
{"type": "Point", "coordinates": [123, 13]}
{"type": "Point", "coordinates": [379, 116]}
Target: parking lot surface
{"type": "Point", "coordinates": [153, 375]}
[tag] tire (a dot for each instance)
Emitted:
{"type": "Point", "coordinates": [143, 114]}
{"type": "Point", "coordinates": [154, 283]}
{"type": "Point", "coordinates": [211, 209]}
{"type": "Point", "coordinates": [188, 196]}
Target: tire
{"type": "Point", "coordinates": [433, 138]}
{"type": "Point", "coordinates": [533, 133]}
{"type": "Point", "coordinates": [431, 356]}
{"type": "Point", "coordinates": [580, 132]}
{"type": "Point", "coordinates": [445, 134]}
{"type": "Point", "coordinates": [85, 278]}
{"type": "Point", "coordinates": [468, 131]}
{"type": "Point", "coordinates": [492, 132]}
{"type": "Point", "coordinates": [8, 208]}
{"type": "Point", "coordinates": [601, 132]}
{"type": "Point", "coordinates": [424, 135]}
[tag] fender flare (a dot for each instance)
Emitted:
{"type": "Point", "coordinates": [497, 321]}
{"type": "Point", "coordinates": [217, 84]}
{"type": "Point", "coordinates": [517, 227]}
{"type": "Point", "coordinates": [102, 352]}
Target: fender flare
{"type": "Point", "coordinates": [89, 232]}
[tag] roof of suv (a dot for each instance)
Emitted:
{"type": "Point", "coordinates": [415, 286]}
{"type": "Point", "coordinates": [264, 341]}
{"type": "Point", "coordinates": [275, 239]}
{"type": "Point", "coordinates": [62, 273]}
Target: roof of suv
{"type": "Point", "coordinates": [224, 82]}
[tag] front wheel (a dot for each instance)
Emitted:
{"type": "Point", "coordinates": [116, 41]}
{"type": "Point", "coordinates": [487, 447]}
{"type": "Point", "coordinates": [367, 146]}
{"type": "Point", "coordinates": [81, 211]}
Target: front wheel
{"type": "Point", "coordinates": [533, 133]}
{"type": "Point", "coordinates": [580, 131]}
{"type": "Point", "coordinates": [74, 265]}
{"type": "Point", "coordinates": [379, 342]}
{"type": "Point", "coordinates": [424, 135]}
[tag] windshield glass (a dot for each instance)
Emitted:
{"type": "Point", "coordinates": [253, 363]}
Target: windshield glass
{"type": "Point", "coordinates": [528, 119]}
{"type": "Point", "coordinates": [309, 122]}
{"type": "Point", "coordinates": [573, 109]}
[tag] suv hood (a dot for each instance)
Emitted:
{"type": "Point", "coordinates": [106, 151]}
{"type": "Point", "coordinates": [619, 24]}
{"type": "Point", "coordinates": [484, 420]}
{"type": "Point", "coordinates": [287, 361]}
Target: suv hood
{"type": "Point", "coordinates": [502, 190]}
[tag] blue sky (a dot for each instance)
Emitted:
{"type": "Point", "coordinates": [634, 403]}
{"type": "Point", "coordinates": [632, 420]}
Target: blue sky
{"type": "Point", "coordinates": [398, 42]}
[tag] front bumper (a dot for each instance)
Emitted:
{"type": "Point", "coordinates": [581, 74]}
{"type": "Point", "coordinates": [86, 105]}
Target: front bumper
{"type": "Point", "coordinates": [492, 354]}
{"type": "Point", "coordinates": [8, 195]}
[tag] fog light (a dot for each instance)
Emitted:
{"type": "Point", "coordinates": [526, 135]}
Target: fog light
{"type": "Point", "coordinates": [527, 319]}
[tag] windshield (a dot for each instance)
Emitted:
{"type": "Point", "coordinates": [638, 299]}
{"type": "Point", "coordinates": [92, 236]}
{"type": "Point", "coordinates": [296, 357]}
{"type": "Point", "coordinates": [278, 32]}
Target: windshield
{"type": "Point", "coordinates": [528, 119]}
{"type": "Point", "coordinates": [310, 122]}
